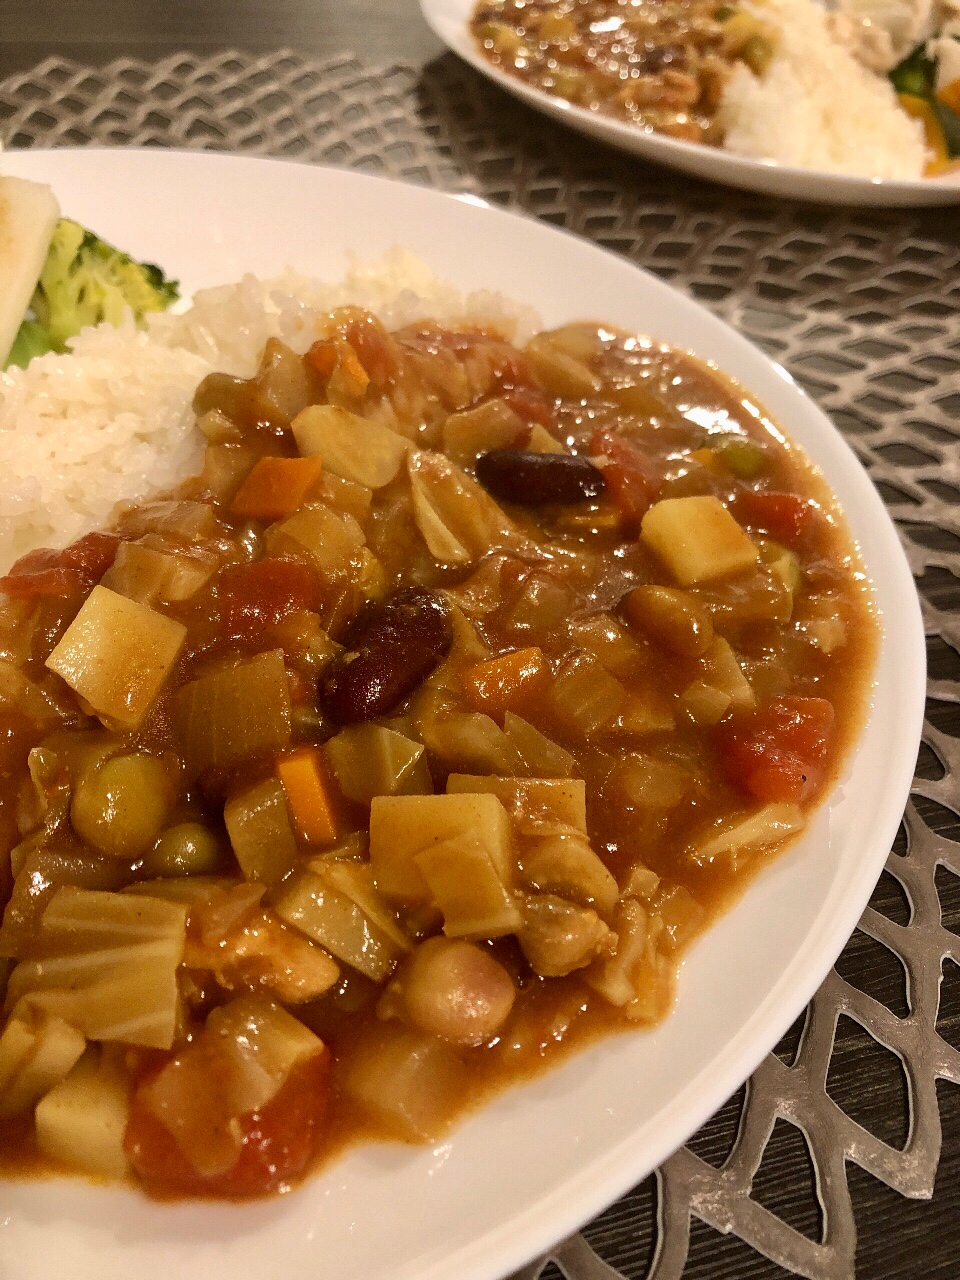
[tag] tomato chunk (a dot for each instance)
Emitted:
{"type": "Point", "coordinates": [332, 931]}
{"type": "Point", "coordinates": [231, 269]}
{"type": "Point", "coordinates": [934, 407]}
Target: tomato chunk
{"type": "Point", "coordinates": [781, 751]}
{"type": "Point", "coordinates": [783, 515]}
{"type": "Point", "coordinates": [278, 1143]}
{"type": "Point", "coordinates": [630, 476]}
{"type": "Point", "coordinates": [57, 573]}
{"type": "Point", "coordinates": [252, 596]}
{"type": "Point", "coordinates": [530, 405]}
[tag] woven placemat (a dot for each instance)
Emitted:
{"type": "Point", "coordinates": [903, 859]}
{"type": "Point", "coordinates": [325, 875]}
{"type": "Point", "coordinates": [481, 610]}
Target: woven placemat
{"type": "Point", "coordinates": [863, 308]}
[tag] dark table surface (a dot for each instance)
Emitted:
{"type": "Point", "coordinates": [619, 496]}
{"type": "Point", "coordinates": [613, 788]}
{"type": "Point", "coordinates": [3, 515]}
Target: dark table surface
{"type": "Point", "coordinates": [899, 1239]}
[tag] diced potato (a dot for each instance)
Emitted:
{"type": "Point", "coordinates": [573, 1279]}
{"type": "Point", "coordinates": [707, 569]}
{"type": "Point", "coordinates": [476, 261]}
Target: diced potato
{"type": "Point", "coordinates": [541, 754]}
{"type": "Point", "coordinates": [332, 539]}
{"type": "Point", "coordinates": [403, 826]}
{"type": "Point", "coordinates": [532, 802]}
{"type": "Point", "coordinates": [146, 575]}
{"type": "Point", "coordinates": [370, 760]}
{"type": "Point", "coordinates": [558, 937]}
{"type": "Point", "coordinates": [769, 826]}
{"type": "Point", "coordinates": [413, 1083]}
{"type": "Point", "coordinates": [468, 889]}
{"type": "Point", "coordinates": [649, 783]}
{"type": "Point", "coordinates": [469, 740]}
{"type": "Point", "coordinates": [259, 828]}
{"type": "Point", "coordinates": [697, 539]}
{"type": "Point", "coordinates": [311, 903]}
{"type": "Point", "coordinates": [722, 671]}
{"type": "Point", "coordinates": [351, 447]}
{"type": "Point", "coordinates": [704, 703]}
{"type": "Point", "coordinates": [491, 425]}
{"type": "Point", "coordinates": [585, 695]}
{"type": "Point", "coordinates": [82, 1121]}
{"type": "Point", "coordinates": [566, 865]}
{"type": "Point", "coordinates": [116, 655]}
{"type": "Point", "coordinates": [541, 441]}
{"type": "Point", "coordinates": [37, 1050]}
{"type": "Point", "coordinates": [229, 717]}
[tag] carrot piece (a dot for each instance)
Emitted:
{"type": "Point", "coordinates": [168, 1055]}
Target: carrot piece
{"type": "Point", "coordinates": [355, 376]}
{"type": "Point", "coordinates": [276, 487]}
{"type": "Point", "coordinates": [933, 135]}
{"type": "Point", "coordinates": [949, 96]}
{"type": "Point", "coordinates": [499, 684]}
{"type": "Point", "coordinates": [322, 358]}
{"type": "Point", "coordinates": [303, 777]}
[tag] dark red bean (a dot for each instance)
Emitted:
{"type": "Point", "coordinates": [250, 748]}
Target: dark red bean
{"type": "Point", "coordinates": [534, 479]}
{"type": "Point", "coordinates": [391, 648]}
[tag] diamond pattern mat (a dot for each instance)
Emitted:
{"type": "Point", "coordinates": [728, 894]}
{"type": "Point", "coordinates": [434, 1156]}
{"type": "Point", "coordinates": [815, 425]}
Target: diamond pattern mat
{"type": "Point", "coordinates": [863, 308]}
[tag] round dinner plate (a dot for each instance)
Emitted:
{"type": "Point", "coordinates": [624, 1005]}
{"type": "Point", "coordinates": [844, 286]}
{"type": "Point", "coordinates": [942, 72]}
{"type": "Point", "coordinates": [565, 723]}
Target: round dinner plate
{"type": "Point", "coordinates": [532, 1166]}
{"type": "Point", "coordinates": [450, 19]}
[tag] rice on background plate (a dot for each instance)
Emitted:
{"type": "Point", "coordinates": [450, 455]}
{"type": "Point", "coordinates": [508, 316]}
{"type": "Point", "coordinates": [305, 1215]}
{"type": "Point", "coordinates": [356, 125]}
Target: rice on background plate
{"type": "Point", "coordinates": [111, 421]}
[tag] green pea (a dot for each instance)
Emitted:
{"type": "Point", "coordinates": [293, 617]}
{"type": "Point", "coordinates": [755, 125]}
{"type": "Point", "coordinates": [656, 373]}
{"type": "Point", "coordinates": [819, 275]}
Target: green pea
{"type": "Point", "coordinates": [188, 849]}
{"type": "Point", "coordinates": [745, 458]}
{"type": "Point", "coordinates": [120, 806]}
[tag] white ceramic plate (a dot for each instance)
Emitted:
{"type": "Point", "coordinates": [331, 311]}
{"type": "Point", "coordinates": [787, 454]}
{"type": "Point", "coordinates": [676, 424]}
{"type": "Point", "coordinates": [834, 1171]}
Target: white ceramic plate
{"type": "Point", "coordinates": [533, 1166]}
{"type": "Point", "coordinates": [450, 19]}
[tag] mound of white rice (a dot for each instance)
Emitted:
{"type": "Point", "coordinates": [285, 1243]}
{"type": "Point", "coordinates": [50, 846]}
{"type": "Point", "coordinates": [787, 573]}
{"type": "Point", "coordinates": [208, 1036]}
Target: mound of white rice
{"type": "Point", "coordinates": [816, 107]}
{"type": "Point", "coordinates": [111, 420]}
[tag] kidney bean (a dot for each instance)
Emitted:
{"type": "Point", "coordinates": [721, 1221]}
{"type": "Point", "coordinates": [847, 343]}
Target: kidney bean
{"type": "Point", "coordinates": [391, 648]}
{"type": "Point", "coordinates": [533, 479]}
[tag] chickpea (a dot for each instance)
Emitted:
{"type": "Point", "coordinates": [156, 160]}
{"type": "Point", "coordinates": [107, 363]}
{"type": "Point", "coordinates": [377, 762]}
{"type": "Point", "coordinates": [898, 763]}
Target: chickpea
{"type": "Point", "coordinates": [455, 990]}
{"type": "Point", "coordinates": [188, 849]}
{"type": "Point", "coordinates": [121, 805]}
{"type": "Point", "coordinates": [674, 619]}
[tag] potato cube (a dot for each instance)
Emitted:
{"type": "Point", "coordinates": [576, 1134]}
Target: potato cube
{"type": "Point", "coordinates": [530, 801]}
{"type": "Point", "coordinates": [466, 887]}
{"type": "Point", "coordinates": [351, 447]}
{"type": "Point", "coordinates": [82, 1121]}
{"type": "Point", "coordinates": [414, 1084]}
{"type": "Point", "coordinates": [116, 654]}
{"type": "Point", "coordinates": [403, 826]}
{"type": "Point", "coordinates": [697, 539]}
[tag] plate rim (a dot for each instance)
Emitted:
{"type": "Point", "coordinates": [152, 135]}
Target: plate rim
{"type": "Point", "coordinates": [530, 1232]}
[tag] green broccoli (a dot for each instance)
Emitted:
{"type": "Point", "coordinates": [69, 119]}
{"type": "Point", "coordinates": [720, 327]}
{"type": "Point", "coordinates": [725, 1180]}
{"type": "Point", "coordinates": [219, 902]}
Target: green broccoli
{"type": "Point", "coordinates": [86, 281]}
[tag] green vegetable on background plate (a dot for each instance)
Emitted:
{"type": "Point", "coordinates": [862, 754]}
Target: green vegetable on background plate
{"type": "Point", "coordinates": [56, 277]}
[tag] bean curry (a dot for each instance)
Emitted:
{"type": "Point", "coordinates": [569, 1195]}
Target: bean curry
{"type": "Point", "coordinates": [405, 748]}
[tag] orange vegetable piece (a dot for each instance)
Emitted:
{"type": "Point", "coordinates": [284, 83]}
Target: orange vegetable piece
{"type": "Point", "coordinates": [307, 790]}
{"type": "Point", "coordinates": [354, 374]}
{"type": "Point", "coordinates": [499, 684]}
{"type": "Point", "coordinates": [949, 96]}
{"type": "Point", "coordinates": [322, 358]}
{"type": "Point", "coordinates": [933, 136]}
{"type": "Point", "coordinates": [276, 487]}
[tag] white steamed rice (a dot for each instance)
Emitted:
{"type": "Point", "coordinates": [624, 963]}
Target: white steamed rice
{"type": "Point", "coordinates": [816, 107]}
{"type": "Point", "coordinates": [111, 421]}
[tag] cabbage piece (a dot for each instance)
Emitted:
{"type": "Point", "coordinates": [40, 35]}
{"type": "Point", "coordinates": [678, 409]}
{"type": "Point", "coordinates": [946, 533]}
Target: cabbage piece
{"type": "Point", "coordinates": [37, 1049]}
{"type": "Point", "coordinates": [313, 904]}
{"type": "Point", "coordinates": [351, 447]}
{"type": "Point", "coordinates": [535, 804]}
{"type": "Point", "coordinates": [259, 827]}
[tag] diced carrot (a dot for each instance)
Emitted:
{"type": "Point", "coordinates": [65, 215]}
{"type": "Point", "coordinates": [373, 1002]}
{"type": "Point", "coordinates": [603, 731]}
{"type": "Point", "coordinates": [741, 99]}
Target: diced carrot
{"type": "Point", "coordinates": [500, 684]}
{"type": "Point", "coordinates": [949, 96]}
{"type": "Point", "coordinates": [276, 487]}
{"type": "Point", "coordinates": [707, 458]}
{"type": "Point", "coordinates": [322, 358]}
{"type": "Point", "coordinates": [933, 135]}
{"type": "Point", "coordinates": [305, 785]}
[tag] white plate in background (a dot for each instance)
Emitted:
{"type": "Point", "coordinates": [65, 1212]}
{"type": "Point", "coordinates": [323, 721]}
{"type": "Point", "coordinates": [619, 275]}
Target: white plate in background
{"type": "Point", "coordinates": [535, 1164]}
{"type": "Point", "coordinates": [450, 20]}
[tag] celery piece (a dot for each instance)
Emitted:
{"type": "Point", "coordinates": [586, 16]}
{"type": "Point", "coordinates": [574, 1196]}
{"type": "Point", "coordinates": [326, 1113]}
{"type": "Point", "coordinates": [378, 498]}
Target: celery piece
{"type": "Point", "coordinates": [311, 903]}
{"type": "Point", "coordinates": [491, 425]}
{"type": "Point", "coordinates": [697, 539]}
{"type": "Point", "coordinates": [467, 888]}
{"type": "Point", "coordinates": [146, 574]}
{"type": "Point", "coordinates": [769, 826]}
{"type": "Point", "coordinates": [410, 1082]}
{"type": "Point", "coordinates": [403, 826]}
{"type": "Point", "coordinates": [82, 1121]}
{"type": "Point", "coordinates": [229, 717]}
{"type": "Point", "coordinates": [116, 655]}
{"type": "Point", "coordinates": [533, 803]}
{"type": "Point", "coordinates": [541, 755]}
{"type": "Point", "coordinates": [470, 740]}
{"type": "Point", "coordinates": [331, 539]}
{"type": "Point", "coordinates": [351, 447]}
{"type": "Point", "coordinates": [370, 760]}
{"type": "Point", "coordinates": [258, 825]}
{"type": "Point", "coordinates": [722, 671]}
{"type": "Point", "coordinates": [741, 456]}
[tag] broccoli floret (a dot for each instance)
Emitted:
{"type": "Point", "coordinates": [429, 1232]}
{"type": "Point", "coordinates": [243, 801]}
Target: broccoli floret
{"type": "Point", "coordinates": [86, 281]}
